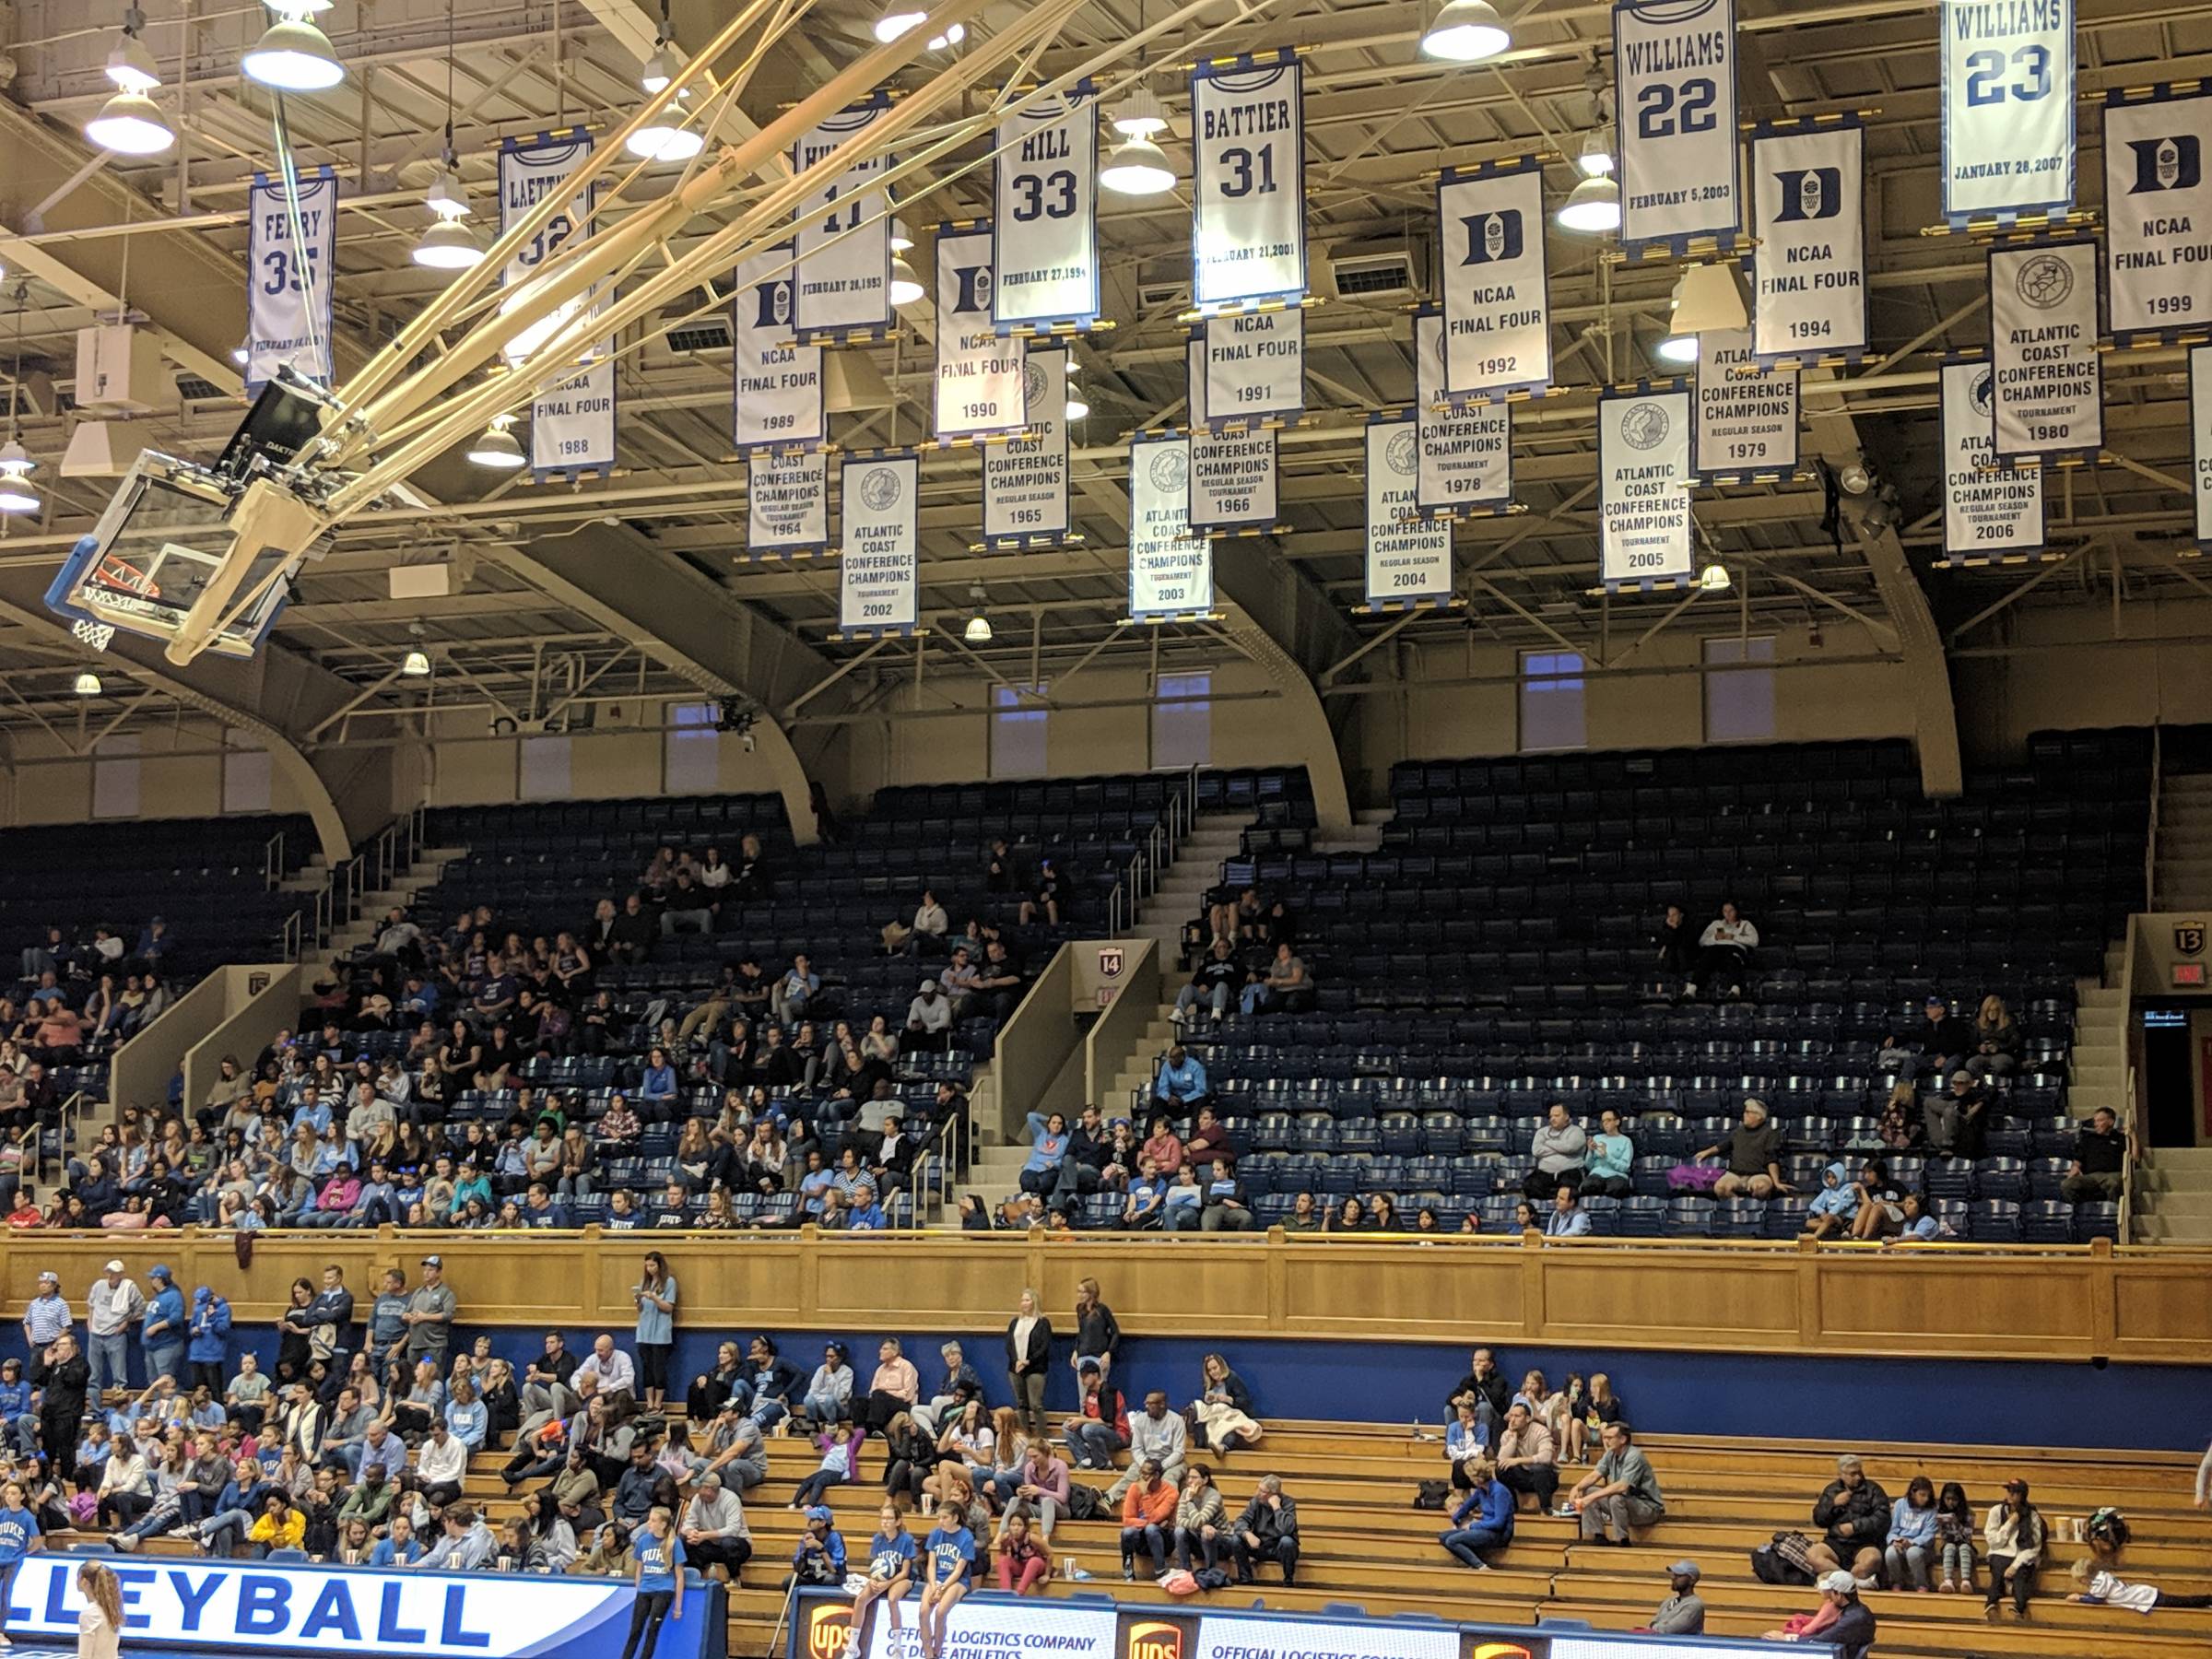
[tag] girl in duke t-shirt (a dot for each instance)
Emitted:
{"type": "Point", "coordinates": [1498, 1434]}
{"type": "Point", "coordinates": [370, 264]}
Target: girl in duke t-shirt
{"type": "Point", "coordinates": [951, 1573]}
{"type": "Point", "coordinates": [19, 1537]}
{"type": "Point", "coordinates": [660, 1562]}
{"type": "Point", "coordinates": [890, 1574]}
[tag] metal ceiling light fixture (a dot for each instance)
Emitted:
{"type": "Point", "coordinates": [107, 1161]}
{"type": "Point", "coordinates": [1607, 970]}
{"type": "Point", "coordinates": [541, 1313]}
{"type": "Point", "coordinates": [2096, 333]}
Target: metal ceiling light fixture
{"type": "Point", "coordinates": [448, 244]}
{"type": "Point", "coordinates": [906, 288]}
{"type": "Point", "coordinates": [901, 239]}
{"type": "Point", "coordinates": [131, 64]}
{"type": "Point", "coordinates": [415, 664]}
{"type": "Point", "coordinates": [1596, 158]}
{"type": "Point", "coordinates": [1465, 31]}
{"type": "Point", "coordinates": [666, 138]}
{"type": "Point", "coordinates": [1715, 578]}
{"type": "Point", "coordinates": [1077, 405]}
{"type": "Point", "coordinates": [897, 21]}
{"type": "Point", "coordinates": [496, 448]}
{"type": "Point", "coordinates": [978, 631]}
{"type": "Point", "coordinates": [131, 124]}
{"type": "Point", "coordinates": [17, 494]}
{"type": "Point", "coordinates": [86, 684]}
{"type": "Point", "coordinates": [666, 62]}
{"type": "Point", "coordinates": [1592, 207]}
{"type": "Point", "coordinates": [1138, 167]}
{"type": "Point", "coordinates": [293, 55]}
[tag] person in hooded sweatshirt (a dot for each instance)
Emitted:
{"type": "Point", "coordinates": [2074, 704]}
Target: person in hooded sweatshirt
{"type": "Point", "coordinates": [1836, 1203]}
{"type": "Point", "coordinates": [208, 1345]}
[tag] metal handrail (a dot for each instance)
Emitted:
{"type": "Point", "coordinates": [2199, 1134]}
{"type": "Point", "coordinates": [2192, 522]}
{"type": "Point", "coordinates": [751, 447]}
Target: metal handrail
{"type": "Point", "coordinates": [65, 1116]}
{"type": "Point", "coordinates": [2151, 841]}
{"type": "Point", "coordinates": [2128, 1126]}
{"type": "Point", "coordinates": [272, 862]}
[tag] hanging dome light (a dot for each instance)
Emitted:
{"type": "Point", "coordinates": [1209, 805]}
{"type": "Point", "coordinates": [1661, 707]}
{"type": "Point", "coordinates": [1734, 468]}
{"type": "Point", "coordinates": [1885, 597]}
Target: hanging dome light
{"type": "Point", "coordinates": [901, 238]}
{"type": "Point", "coordinates": [131, 64]}
{"type": "Point", "coordinates": [1141, 115]}
{"type": "Point", "coordinates": [1077, 408]}
{"type": "Point", "coordinates": [906, 288]}
{"type": "Point", "coordinates": [241, 354]}
{"type": "Point", "coordinates": [1677, 348]}
{"type": "Point", "coordinates": [1714, 579]}
{"type": "Point", "coordinates": [86, 684]}
{"type": "Point", "coordinates": [979, 630]}
{"type": "Point", "coordinates": [449, 245]}
{"type": "Point", "coordinates": [666, 63]}
{"type": "Point", "coordinates": [894, 23]}
{"type": "Point", "coordinates": [1595, 159]}
{"type": "Point", "coordinates": [497, 448]}
{"type": "Point", "coordinates": [415, 664]}
{"type": "Point", "coordinates": [949, 38]}
{"type": "Point", "coordinates": [666, 138]}
{"type": "Point", "coordinates": [17, 494]}
{"type": "Point", "coordinates": [1137, 168]}
{"type": "Point", "coordinates": [1592, 207]}
{"type": "Point", "coordinates": [1467, 31]}
{"type": "Point", "coordinates": [294, 56]}
{"type": "Point", "coordinates": [131, 124]}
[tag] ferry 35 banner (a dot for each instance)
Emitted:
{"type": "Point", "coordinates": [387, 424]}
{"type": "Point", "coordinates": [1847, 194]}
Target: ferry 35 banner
{"type": "Point", "coordinates": [1248, 189]}
{"type": "Point", "coordinates": [2158, 210]}
{"type": "Point", "coordinates": [1673, 66]}
{"type": "Point", "coordinates": [1809, 268]}
{"type": "Point", "coordinates": [289, 277]}
{"type": "Point", "coordinates": [2007, 70]}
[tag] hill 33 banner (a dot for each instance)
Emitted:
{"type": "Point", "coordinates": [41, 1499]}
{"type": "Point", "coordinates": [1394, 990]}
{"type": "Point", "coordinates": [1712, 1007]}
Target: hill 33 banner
{"type": "Point", "coordinates": [1046, 219]}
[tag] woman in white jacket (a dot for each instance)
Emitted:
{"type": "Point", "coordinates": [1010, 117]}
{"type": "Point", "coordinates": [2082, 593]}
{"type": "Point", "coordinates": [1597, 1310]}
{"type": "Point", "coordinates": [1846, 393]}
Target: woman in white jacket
{"type": "Point", "coordinates": [2013, 1538]}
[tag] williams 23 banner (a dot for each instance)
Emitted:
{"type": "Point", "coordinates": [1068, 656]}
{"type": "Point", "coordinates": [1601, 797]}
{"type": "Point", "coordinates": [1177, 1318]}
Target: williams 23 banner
{"type": "Point", "coordinates": [1674, 78]}
{"type": "Point", "coordinates": [1248, 193]}
{"type": "Point", "coordinates": [2008, 108]}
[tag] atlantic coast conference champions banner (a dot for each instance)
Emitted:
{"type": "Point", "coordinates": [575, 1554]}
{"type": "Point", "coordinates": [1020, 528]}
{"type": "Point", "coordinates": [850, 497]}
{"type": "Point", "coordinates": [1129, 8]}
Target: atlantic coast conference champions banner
{"type": "Point", "coordinates": [777, 385]}
{"type": "Point", "coordinates": [1170, 571]}
{"type": "Point", "coordinates": [2200, 442]}
{"type": "Point", "coordinates": [1809, 268]}
{"type": "Point", "coordinates": [1989, 512]}
{"type": "Point", "coordinates": [1644, 471]}
{"type": "Point", "coordinates": [1747, 413]}
{"type": "Point", "coordinates": [1466, 460]}
{"type": "Point", "coordinates": [1232, 484]}
{"type": "Point", "coordinates": [2042, 327]}
{"type": "Point", "coordinates": [1046, 222]}
{"type": "Point", "coordinates": [1248, 190]}
{"type": "Point", "coordinates": [1497, 312]}
{"type": "Point", "coordinates": [1408, 557]}
{"type": "Point", "coordinates": [288, 271]}
{"type": "Point", "coordinates": [2157, 210]}
{"type": "Point", "coordinates": [787, 502]}
{"type": "Point", "coordinates": [844, 231]}
{"type": "Point", "coordinates": [1675, 80]}
{"type": "Point", "coordinates": [1025, 479]}
{"type": "Point", "coordinates": [979, 378]}
{"type": "Point", "coordinates": [1254, 366]}
{"type": "Point", "coordinates": [878, 500]}
{"type": "Point", "coordinates": [2007, 108]}
{"type": "Point", "coordinates": [572, 423]}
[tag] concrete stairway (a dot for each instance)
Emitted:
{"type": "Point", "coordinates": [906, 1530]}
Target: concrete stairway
{"type": "Point", "coordinates": [2173, 1197]}
{"type": "Point", "coordinates": [430, 863]}
{"type": "Point", "coordinates": [1214, 837]}
{"type": "Point", "coordinates": [2184, 849]}
{"type": "Point", "coordinates": [2098, 1066]}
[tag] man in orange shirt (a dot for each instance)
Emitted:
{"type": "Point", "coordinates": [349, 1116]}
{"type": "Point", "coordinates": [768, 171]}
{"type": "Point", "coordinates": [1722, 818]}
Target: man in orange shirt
{"type": "Point", "coordinates": [1148, 1511]}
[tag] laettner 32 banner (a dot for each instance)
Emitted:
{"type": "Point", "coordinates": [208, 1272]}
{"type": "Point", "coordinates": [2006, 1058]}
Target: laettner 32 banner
{"type": "Point", "coordinates": [979, 370]}
{"type": "Point", "coordinates": [2049, 377]}
{"type": "Point", "coordinates": [1248, 191]}
{"type": "Point", "coordinates": [2007, 108]}
{"type": "Point", "coordinates": [289, 277]}
{"type": "Point", "coordinates": [844, 232]}
{"type": "Point", "coordinates": [2200, 442]}
{"type": "Point", "coordinates": [1047, 220]}
{"type": "Point", "coordinates": [1025, 479]}
{"type": "Point", "coordinates": [2158, 210]}
{"type": "Point", "coordinates": [1170, 571]}
{"type": "Point", "coordinates": [1497, 310]}
{"type": "Point", "coordinates": [571, 425]}
{"type": "Point", "coordinates": [879, 496]}
{"type": "Point", "coordinates": [1989, 512]}
{"type": "Point", "coordinates": [1466, 460]}
{"type": "Point", "coordinates": [1646, 534]}
{"type": "Point", "coordinates": [1408, 557]}
{"type": "Point", "coordinates": [1674, 64]}
{"type": "Point", "coordinates": [1809, 269]}
{"type": "Point", "coordinates": [776, 382]}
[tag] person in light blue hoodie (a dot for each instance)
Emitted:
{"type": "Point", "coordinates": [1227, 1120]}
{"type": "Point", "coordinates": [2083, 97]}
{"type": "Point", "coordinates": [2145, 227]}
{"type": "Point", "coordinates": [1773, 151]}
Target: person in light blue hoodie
{"type": "Point", "coordinates": [1911, 1536]}
{"type": "Point", "coordinates": [1836, 1204]}
{"type": "Point", "coordinates": [1612, 1158]}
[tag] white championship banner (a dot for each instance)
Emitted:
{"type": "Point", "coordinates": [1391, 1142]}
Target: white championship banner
{"type": "Point", "coordinates": [1255, 366]}
{"type": "Point", "coordinates": [2157, 212]}
{"type": "Point", "coordinates": [1408, 557]}
{"type": "Point", "coordinates": [1988, 514]}
{"type": "Point", "coordinates": [1170, 571]}
{"type": "Point", "coordinates": [1646, 536]}
{"type": "Point", "coordinates": [1466, 460]}
{"type": "Point", "coordinates": [571, 424]}
{"type": "Point", "coordinates": [1046, 223]}
{"type": "Point", "coordinates": [1247, 191]}
{"type": "Point", "coordinates": [2042, 329]}
{"type": "Point", "coordinates": [1497, 310]}
{"type": "Point", "coordinates": [1809, 267]}
{"type": "Point", "coordinates": [2200, 442]}
{"type": "Point", "coordinates": [787, 502]}
{"type": "Point", "coordinates": [2007, 68]}
{"type": "Point", "coordinates": [289, 277]}
{"type": "Point", "coordinates": [1747, 414]}
{"type": "Point", "coordinates": [878, 498]}
{"type": "Point", "coordinates": [979, 375]}
{"type": "Point", "coordinates": [844, 232]}
{"type": "Point", "coordinates": [1232, 479]}
{"type": "Point", "coordinates": [1025, 479]}
{"type": "Point", "coordinates": [1674, 68]}
{"type": "Point", "coordinates": [777, 383]}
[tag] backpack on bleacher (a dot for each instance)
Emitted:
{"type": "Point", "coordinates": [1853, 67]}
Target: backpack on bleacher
{"type": "Point", "coordinates": [1434, 1494]}
{"type": "Point", "coordinates": [1787, 1561]}
{"type": "Point", "coordinates": [1086, 1503]}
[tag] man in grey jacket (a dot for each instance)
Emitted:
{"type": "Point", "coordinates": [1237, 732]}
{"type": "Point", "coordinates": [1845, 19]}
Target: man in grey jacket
{"type": "Point", "coordinates": [1683, 1612]}
{"type": "Point", "coordinates": [1560, 1149]}
{"type": "Point", "coordinates": [1157, 1434]}
{"type": "Point", "coordinates": [714, 1530]}
{"type": "Point", "coordinates": [1267, 1530]}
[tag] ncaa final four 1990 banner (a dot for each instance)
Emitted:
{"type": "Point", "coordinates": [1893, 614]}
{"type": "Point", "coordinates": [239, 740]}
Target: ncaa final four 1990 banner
{"type": "Point", "coordinates": [2007, 70]}
{"type": "Point", "coordinates": [1248, 188]}
{"type": "Point", "coordinates": [1497, 310]}
{"type": "Point", "coordinates": [1674, 66]}
{"type": "Point", "coordinates": [979, 370]}
{"type": "Point", "coordinates": [1809, 267]}
{"type": "Point", "coordinates": [2158, 210]}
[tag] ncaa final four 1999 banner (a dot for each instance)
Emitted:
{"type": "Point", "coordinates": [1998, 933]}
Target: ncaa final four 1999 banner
{"type": "Point", "coordinates": [2007, 69]}
{"type": "Point", "coordinates": [1674, 66]}
{"type": "Point", "coordinates": [1809, 267]}
{"type": "Point", "coordinates": [1248, 188]}
{"type": "Point", "coordinates": [2158, 210]}
{"type": "Point", "coordinates": [1497, 310]}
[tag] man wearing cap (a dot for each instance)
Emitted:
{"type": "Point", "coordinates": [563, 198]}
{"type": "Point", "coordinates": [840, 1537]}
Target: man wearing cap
{"type": "Point", "coordinates": [1851, 1631]}
{"type": "Point", "coordinates": [162, 1333]}
{"type": "Point", "coordinates": [112, 1307]}
{"type": "Point", "coordinates": [48, 1314]}
{"type": "Point", "coordinates": [735, 1445]}
{"type": "Point", "coordinates": [1683, 1612]}
{"type": "Point", "coordinates": [1939, 1044]}
{"type": "Point", "coordinates": [928, 1018]}
{"type": "Point", "coordinates": [1754, 1149]}
{"type": "Point", "coordinates": [429, 1315]}
{"type": "Point", "coordinates": [714, 1530]}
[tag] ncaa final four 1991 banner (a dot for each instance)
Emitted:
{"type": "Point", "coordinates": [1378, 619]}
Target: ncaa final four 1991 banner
{"type": "Point", "coordinates": [2158, 210]}
{"type": "Point", "coordinates": [2007, 70]}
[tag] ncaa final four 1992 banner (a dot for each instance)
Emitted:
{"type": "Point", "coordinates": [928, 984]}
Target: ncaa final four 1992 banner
{"type": "Point", "coordinates": [1497, 310]}
{"type": "Point", "coordinates": [2007, 69]}
{"type": "Point", "coordinates": [1046, 221]}
{"type": "Point", "coordinates": [1674, 66]}
{"type": "Point", "coordinates": [1809, 267]}
{"type": "Point", "coordinates": [1248, 187]}
{"type": "Point", "coordinates": [2158, 210]}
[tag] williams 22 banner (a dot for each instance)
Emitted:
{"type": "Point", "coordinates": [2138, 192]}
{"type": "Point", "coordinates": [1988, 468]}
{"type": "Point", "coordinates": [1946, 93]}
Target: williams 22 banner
{"type": "Point", "coordinates": [1673, 64]}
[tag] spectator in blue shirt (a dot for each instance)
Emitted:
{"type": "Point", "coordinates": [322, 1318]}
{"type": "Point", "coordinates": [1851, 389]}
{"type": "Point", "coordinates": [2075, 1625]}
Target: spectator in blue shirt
{"type": "Point", "coordinates": [1568, 1219]}
{"type": "Point", "coordinates": [794, 991]}
{"type": "Point", "coordinates": [950, 1554]}
{"type": "Point", "coordinates": [1611, 1160]}
{"type": "Point", "coordinates": [1483, 1521]}
{"type": "Point", "coordinates": [1835, 1205]}
{"type": "Point", "coordinates": [19, 1537]}
{"type": "Point", "coordinates": [1911, 1536]}
{"type": "Point", "coordinates": [1049, 1142]}
{"type": "Point", "coordinates": [398, 1548]}
{"type": "Point", "coordinates": [660, 1565]}
{"type": "Point", "coordinates": [15, 1400]}
{"type": "Point", "coordinates": [209, 1347]}
{"type": "Point", "coordinates": [1919, 1227]}
{"type": "Point", "coordinates": [1148, 1193]}
{"type": "Point", "coordinates": [163, 1333]}
{"type": "Point", "coordinates": [659, 1085]}
{"type": "Point", "coordinates": [865, 1215]}
{"type": "Point", "coordinates": [819, 1558]}
{"type": "Point", "coordinates": [541, 1209]}
{"type": "Point", "coordinates": [1181, 1082]}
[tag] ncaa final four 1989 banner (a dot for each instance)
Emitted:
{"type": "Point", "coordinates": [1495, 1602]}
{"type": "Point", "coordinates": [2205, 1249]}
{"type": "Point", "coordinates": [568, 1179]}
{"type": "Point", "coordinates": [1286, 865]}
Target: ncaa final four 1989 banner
{"type": "Point", "coordinates": [778, 393]}
{"type": "Point", "coordinates": [1674, 64]}
{"type": "Point", "coordinates": [2158, 210]}
{"type": "Point", "coordinates": [1248, 187]}
{"type": "Point", "coordinates": [2007, 70]}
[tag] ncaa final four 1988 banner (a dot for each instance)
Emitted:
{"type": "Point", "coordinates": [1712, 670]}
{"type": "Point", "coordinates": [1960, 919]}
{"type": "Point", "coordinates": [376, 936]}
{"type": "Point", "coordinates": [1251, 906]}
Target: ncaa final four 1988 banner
{"type": "Point", "coordinates": [2158, 210]}
{"type": "Point", "coordinates": [1674, 64]}
{"type": "Point", "coordinates": [2007, 70]}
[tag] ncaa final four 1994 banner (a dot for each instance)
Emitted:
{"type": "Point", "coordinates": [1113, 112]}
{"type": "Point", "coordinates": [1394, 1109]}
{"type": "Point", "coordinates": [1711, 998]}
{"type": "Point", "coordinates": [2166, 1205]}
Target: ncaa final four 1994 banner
{"type": "Point", "coordinates": [1046, 221]}
{"type": "Point", "coordinates": [1674, 66]}
{"type": "Point", "coordinates": [2158, 210]}
{"type": "Point", "coordinates": [1248, 188]}
{"type": "Point", "coordinates": [877, 500]}
{"type": "Point", "coordinates": [2008, 108]}
{"type": "Point", "coordinates": [1809, 267]}
{"type": "Point", "coordinates": [1643, 517]}
{"type": "Point", "coordinates": [1497, 311]}
{"type": "Point", "coordinates": [2049, 377]}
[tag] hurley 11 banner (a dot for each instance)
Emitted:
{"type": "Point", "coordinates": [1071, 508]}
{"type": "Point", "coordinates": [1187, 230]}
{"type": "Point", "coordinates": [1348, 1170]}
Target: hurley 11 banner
{"type": "Point", "coordinates": [1255, 366]}
{"type": "Point", "coordinates": [572, 423]}
{"type": "Point", "coordinates": [1747, 414]}
{"type": "Point", "coordinates": [1248, 189]}
{"type": "Point", "coordinates": [844, 231]}
{"type": "Point", "coordinates": [2157, 211]}
{"type": "Point", "coordinates": [1673, 66]}
{"type": "Point", "coordinates": [979, 370]}
{"type": "Point", "coordinates": [777, 383]}
{"type": "Point", "coordinates": [787, 503]}
{"type": "Point", "coordinates": [877, 497]}
{"type": "Point", "coordinates": [1646, 536]}
{"type": "Point", "coordinates": [1989, 512]}
{"type": "Point", "coordinates": [2007, 68]}
{"type": "Point", "coordinates": [1170, 571]}
{"type": "Point", "coordinates": [1809, 268]}
{"type": "Point", "coordinates": [289, 266]}
{"type": "Point", "coordinates": [1408, 557]}
{"type": "Point", "coordinates": [1466, 460]}
{"type": "Point", "coordinates": [1497, 310]}
{"type": "Point", "coordinates": [1047, 223]}
{"type": "Point", "coordinates": [2200, 442]}
{"type": "Point", "coordinates": [2042, 329]}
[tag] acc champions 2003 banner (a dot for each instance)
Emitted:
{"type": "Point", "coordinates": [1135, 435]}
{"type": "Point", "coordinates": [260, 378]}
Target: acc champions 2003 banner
{"type": "Point", "coordinates": [229, 1607]}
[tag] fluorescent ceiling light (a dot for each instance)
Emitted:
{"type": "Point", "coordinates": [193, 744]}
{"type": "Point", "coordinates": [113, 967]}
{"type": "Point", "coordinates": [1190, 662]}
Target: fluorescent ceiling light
{"type": "Point", "coordinates": [1467, 31]}
{"type": "Point", "coordinates": [131, 124]}
{"type": "Point", "coordinates": [1137, 168]}
{"type": "Point", "coordinates": [294, 56]}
